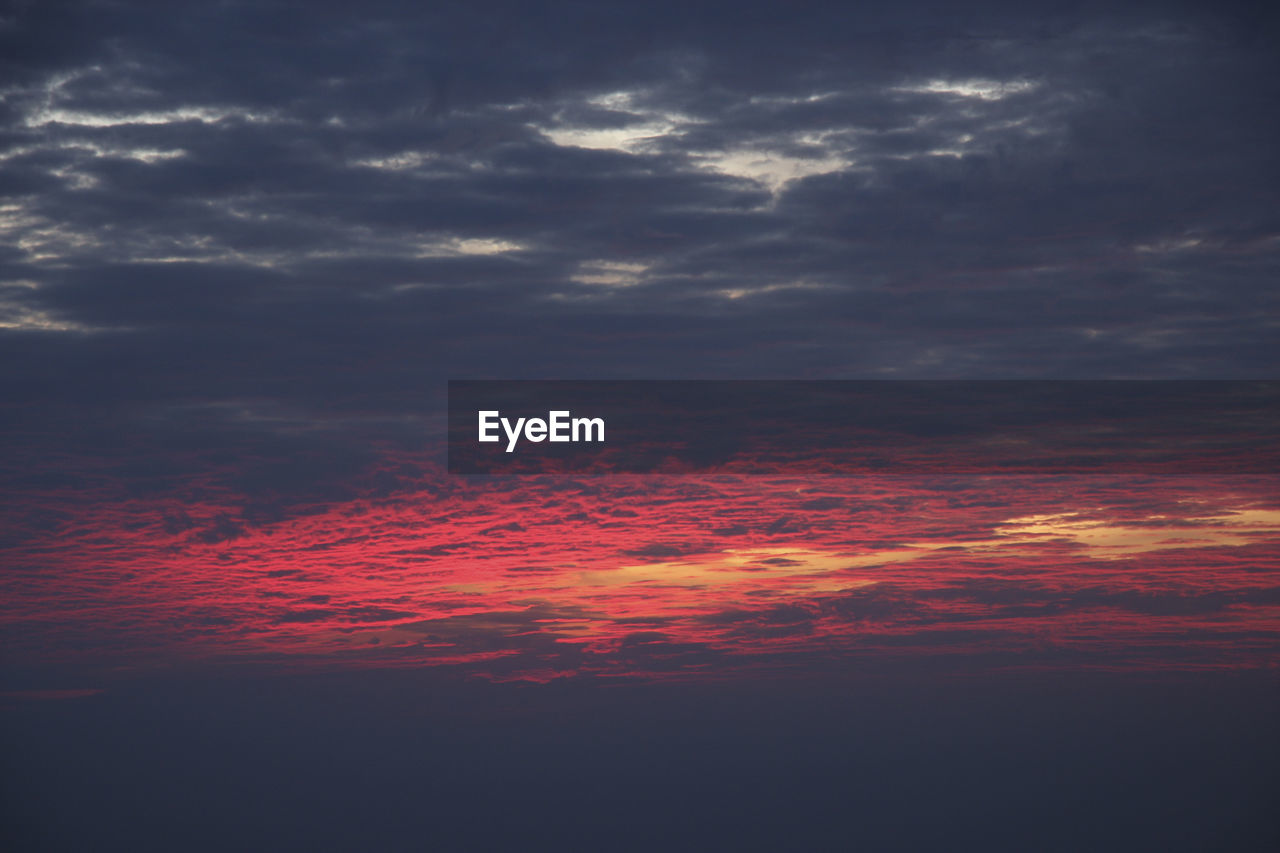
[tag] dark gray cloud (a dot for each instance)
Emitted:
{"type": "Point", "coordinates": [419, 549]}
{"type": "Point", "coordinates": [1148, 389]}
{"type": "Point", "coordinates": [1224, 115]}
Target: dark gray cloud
{"type": "Point", "coordinates": [276, 218]}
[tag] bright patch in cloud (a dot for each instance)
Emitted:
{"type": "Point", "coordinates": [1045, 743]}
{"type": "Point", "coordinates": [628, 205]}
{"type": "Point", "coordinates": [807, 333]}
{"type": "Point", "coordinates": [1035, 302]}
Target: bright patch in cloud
{"type": "Point", "coordinates": [404, 161]}
{"type": "Point", "coordinates": [630, 139]}
{"type": "Point", "coordinates": [786, 569]}
{"type": "Point", "coordinates": [1110, 539]}
{"type": "Point", "coordinates": [20, 317]}
{"type": "Point", "coordinates": [769, 167]}
{"type": "Point", "coordinates": [458, 246]}
{"type": "Point", "coordinates": [80, 118]}
{"type": "Point", "coordinates": [976, 88]}
{"type": "Point", "coordinates": [645, 127]}
{"type": "Point", "coordinates": [1173, 244]}
{"type": "Point", "coordinates": [610, 273]}
{"type": "Point", "coordinates": [740, 292]}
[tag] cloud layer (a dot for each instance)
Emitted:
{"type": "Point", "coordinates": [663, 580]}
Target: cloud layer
{"type": "Point", "coordinates": [244, 246]}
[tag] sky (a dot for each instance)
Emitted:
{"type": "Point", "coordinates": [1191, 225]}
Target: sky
{"type": "Point", "coordinates": [246, 245]}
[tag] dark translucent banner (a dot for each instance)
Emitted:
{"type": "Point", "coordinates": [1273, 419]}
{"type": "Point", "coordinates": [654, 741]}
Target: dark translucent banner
{"type": "Point", "coordinates": [908, 427]}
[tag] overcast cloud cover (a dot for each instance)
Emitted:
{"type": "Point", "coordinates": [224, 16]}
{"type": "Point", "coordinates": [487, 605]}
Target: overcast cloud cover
{"type": "Point", "coordinates": [254, 200]}
{"type": "Point", "coordinates": [245, 244]}
{"type": "Point", "coordinates": [263, 235]}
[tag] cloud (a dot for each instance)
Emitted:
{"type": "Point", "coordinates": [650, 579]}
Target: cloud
{"type": "Point", "coordinates": [241, 249]}
{"type": "Point", "coordinates": [971, 199]}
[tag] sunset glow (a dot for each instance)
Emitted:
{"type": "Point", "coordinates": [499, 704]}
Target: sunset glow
{"type": "Point", "coordinates": [650, 576]}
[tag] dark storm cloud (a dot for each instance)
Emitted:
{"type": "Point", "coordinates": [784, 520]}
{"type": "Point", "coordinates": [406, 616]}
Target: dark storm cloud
{"type": "Point", "coordinates": [317, 217]}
